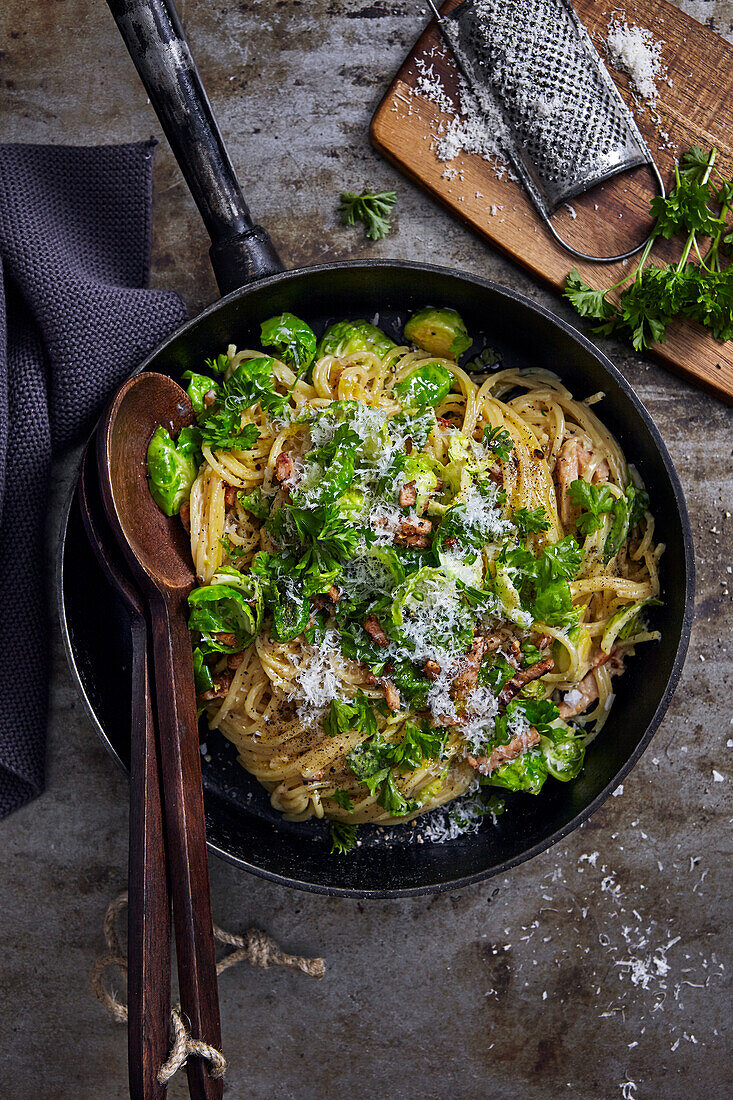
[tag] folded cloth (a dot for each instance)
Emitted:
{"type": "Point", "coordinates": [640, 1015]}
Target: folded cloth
{"type": "Point", "coordinates": [75, 237]}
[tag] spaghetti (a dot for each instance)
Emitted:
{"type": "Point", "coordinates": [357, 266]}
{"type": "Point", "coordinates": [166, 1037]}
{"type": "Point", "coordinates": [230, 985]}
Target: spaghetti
{"type": "Point", "coordinates": [410, 585]}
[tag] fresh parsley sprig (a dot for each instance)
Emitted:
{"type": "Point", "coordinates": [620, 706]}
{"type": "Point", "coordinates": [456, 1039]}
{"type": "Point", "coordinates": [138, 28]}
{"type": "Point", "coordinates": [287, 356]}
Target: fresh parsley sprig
{"type": "Point", "coordinates": [343, 838]}
{"type": "Point", "coordinates": [373, 208]}
{"type": "Point", "coordinates": [696, 208]}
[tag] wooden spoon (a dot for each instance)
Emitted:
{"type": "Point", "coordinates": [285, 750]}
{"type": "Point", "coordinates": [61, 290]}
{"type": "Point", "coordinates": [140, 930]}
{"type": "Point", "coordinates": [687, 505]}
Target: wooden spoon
{"type": "Point", "coordinates": [148, 909]}
{"type": "Point", "coordinates": [159, 555]}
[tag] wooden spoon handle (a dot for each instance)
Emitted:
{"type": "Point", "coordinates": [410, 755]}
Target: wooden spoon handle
{"type": "Point", "coordinates": [184, 821]}
{"type": "Point", "coordinates": [148, 914]}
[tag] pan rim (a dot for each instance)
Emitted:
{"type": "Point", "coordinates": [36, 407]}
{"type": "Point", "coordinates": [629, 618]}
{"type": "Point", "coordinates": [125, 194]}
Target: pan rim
{"type": "Point", "coordinates": [685, 626]}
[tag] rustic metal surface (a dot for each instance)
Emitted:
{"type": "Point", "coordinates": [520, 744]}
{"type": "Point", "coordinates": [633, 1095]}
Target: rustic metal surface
{"type": "Point", "coordinates": [565, 978]}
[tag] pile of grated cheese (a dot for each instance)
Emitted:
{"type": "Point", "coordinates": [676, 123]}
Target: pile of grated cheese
{"type": "Point", "coordinates": [635, 51]}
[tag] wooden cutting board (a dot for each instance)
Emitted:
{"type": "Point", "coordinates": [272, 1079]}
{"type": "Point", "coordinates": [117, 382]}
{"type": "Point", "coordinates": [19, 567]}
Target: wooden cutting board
{"type": "Point", "coordinates": [695, 107]}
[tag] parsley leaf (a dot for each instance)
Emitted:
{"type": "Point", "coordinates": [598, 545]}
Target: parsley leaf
{"type": "Point", "coordinates": [529, 521]}
{"type": "Point", "coordinates": [344, 716]}
{"type": "Point", "coordinates": [343, 799]}
{"type": "Point", "coordinates": [373, 208]}
{"type": "Point", "coordinates": [594, 499]}
{"type": "Point", "coordinates": [372, 763]}
{"type": "Point", "coordinates": [343, 838]}
{"type": "Point", "coordinates": [499, 441]}
{"type": "Point", "coordinates": [696, 207]}
{"type": "Point", "coordinates": [587, 301]}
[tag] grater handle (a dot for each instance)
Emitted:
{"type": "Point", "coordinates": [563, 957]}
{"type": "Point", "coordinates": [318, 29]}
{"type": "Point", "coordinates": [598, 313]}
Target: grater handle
{"type": "Point", "coordinates": [604, 259]}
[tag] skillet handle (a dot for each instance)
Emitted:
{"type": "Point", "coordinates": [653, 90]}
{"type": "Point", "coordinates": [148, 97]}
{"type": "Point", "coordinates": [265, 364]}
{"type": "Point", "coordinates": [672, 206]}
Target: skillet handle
{"type": "Point", "coordinates": [240, 250]}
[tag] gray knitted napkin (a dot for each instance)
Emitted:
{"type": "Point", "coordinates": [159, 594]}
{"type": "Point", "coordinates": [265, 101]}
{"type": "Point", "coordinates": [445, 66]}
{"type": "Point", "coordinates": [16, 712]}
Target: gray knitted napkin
{"type": "Point", "coordinates": [75, 319]}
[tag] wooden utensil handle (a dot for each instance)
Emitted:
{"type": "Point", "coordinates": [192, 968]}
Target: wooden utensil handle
{"type": "Point", "coordinates": [184, 819]}
{"type": "Point", "coordinates": [152, 31]}
{"type": "Point", "coordinates": [148, 914]}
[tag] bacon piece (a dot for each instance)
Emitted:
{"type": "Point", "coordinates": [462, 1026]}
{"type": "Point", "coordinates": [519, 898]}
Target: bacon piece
{"type": "Point", "coordinates": [408, 494]}
{"type": "Point", "coordinates": [431, 669]}
{"type": "Point", "coordinates": [465, 681]}
{"type": "Point", "coordinates": [334, 594]}
{"type": "Point", "coordinates": [413, 532]}
{"type": "Point", "coordinates": [374, 629]}
{"type": "Point", "coordinates": [185, 514]}
{"type": "Point", "coordinates": [524, 676]}
{"type": "Point", "coordinates": [284, 468]}
{"type": "Point", "coordinates": [230, 495]}
{"type": "Point", "coordinates": [452, 543]}
{"type": "Point", "coordinates": [503, 754]}
{"type": "Point", "coordinates": [583, 694]}
{"type": "Point", "coordinates": [226, 639]}
{"type": "Point", "coordinates": [234, 660]}
{"type": "Point", "coordinates": [391, 694]}
{"type": "Point", "coordinates": [209, 398]}
{"type": "Point", "coordinates": [542, 641]}
{"type": "Point", "coordinates": [220, 689]}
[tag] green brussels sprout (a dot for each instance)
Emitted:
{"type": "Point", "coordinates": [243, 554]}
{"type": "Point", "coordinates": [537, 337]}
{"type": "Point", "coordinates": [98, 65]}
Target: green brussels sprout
{"type": "Point", "coordinates": [563, 756]}
{"type": "Point", "coordinates": [201, 672]}
{"type": "Point", "coordinates": [254, 503]}
{"type": "Point", "coordinates": [198, 386]}
{"type": "Point", "coordinates": [234, 608]}
{"type": "Point", "coordinates": [172, 467]}
{"type": "Point", "coordinates": [527, 773]}
{"type": "Point", "coordinates": [428, 601]}
{"type": "Point", "coordinates": [426, 385]}
{"type": "Point", "coordinates": [419, 468]}
{"type": "Point", "coordinates": [293, 340]}
{"type": "Point", "coordinates": [467, 568]}
{"type": "Point", "coordinates": [346, 337]}
{"type": "Point", "coordinates": [439, 332]}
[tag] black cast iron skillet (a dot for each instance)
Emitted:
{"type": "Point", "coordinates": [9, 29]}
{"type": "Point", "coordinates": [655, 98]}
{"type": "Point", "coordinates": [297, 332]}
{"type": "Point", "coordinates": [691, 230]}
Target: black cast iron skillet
{"type": "Point", "coordinates": [241, 825]}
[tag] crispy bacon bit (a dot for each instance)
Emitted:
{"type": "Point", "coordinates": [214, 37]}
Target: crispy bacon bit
{"type": "Point", "coordinates": [542, 641]}
{"type": "Point", "coordinates": [334, 594]}
{"type": "Point", "coordinates": [284, 468]}
{"type": "Point", "coordinates": [524, 676]}
{"type": "Point", "coordinates": [443, 422]}
{"type": "Point", "coordinates": [413, 532]}
{"type": "Point", "coordinates": [431, 669]}
{"type": "Point", "coordinates": [466, 679]}
{"type": "Point", "coordinates": [234, 660]}
{"type": "Point", "coordinates": [582, 695]}
{"type": "Point", "coordinates": [408, 494]}
{"type": "Point", "coordinates": [391, 694]}
{"type": "Point", "coordinates": [374, 629]}
{"type": "Point", "coordinates": [220, 689]}
{"type": "Point", "coordinates": [503, 754]}
{"type": "Point", "coordinates": [209, 398]}
{"type": "Point", "coordinates": [452, 543]}
{"type": "Point", "coordinates": [185, 514]}
{"type": "Point", "coordinates": [230, 495]}
{"type": "Point", "coordinates": [226, 639]}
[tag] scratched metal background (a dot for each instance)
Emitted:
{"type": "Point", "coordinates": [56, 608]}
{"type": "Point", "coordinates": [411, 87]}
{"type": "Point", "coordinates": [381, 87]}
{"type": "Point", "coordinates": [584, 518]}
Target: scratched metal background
{"type": "Point", "coordinates": [598, 970]}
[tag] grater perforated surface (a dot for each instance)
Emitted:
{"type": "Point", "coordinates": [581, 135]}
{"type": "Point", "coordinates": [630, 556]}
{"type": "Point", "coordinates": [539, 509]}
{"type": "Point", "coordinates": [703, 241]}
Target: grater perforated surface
{"type": "Point", "coordinates": [567, 127]}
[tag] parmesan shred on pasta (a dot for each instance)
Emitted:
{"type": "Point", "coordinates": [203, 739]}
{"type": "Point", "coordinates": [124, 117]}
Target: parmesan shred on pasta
{"type": "Point", "coordinates": [416, 583]}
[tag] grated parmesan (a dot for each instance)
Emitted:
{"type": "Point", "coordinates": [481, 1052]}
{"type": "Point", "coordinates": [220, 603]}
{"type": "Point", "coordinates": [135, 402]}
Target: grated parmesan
{"type": "Point", "coordinates": [635, 51]}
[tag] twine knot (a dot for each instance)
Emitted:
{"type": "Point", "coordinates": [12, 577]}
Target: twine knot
{"type": "Point", "coordinates": [256, 947]}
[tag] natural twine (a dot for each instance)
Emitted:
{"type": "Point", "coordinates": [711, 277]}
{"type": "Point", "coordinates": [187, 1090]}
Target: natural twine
{"type": "Point", "coordinates": [256, 947]}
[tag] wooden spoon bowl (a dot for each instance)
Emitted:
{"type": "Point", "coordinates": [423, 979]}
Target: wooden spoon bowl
{"type": "Point", "coordinates": [159, 551]}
